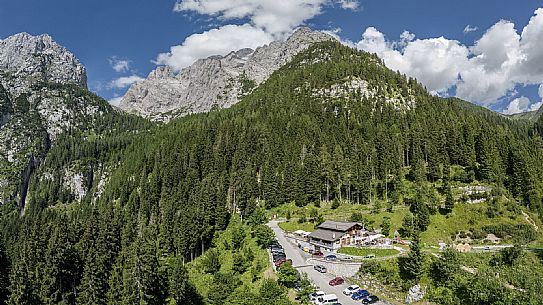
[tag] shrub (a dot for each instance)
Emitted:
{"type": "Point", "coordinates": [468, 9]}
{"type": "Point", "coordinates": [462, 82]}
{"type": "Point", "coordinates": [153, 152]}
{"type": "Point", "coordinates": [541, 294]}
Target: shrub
{"type": "Point", "coordinates": [522, 233]}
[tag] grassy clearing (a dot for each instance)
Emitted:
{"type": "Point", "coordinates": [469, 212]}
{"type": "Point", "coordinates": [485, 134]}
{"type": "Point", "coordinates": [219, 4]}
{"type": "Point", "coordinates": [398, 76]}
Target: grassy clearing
{"type": "Point", "coordinates": [367, 251]}
{"type": "Point", "coordinates": [342, 213]}
{"type": "Point", "coordinates": [442, 228]}
{"type": "Point", "coordinates": [291, 226]}
{"type": "Point", "coordinates": [464, 217]}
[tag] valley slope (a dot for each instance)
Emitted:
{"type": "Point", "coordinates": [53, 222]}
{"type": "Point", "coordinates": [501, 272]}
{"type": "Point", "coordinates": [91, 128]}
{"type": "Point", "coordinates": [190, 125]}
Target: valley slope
{"type": "Point", "coordinates": [331, 125]}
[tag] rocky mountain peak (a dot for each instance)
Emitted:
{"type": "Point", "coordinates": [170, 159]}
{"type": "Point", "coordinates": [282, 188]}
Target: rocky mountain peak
{"type": "Point", "coordinates": [216, 81]}
{"type": "Point", "coordinates": [307, 34]}
{"type": "Point", "coordinates": [161, 72]}
{"type": "Point", "coordinates": [41, 59]}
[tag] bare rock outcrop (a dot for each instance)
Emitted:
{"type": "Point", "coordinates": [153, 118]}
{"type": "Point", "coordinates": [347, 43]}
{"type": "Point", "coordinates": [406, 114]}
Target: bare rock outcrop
{"type": "Point", "coordinates": [213, 82]}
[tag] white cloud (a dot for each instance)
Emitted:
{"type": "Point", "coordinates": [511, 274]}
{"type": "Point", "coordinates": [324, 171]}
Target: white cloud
{"type": "Point", "coordinates": [349, 4]}
{"type": "Point", "coordinates": [219, 41]}
{"type": "Point", "coordinates": [488, 77]}
{"type": "Point", "coordinates": [530, 69]}
{"type": "Point", "coordinates": [446, 57]}
{"type": "Point", "coordinates": [266, 21]}
{"type": "Point", "coordinates": [541, 91]}
{"type": "Point", "coordinates": [518, 105]}
{"type": "Point", "coordinates": [115, 101]}
{"type": "Point", "coordinates": [118, 64]}
{"type": "Point", "coordinates": [535, 106]}
{"type": "Point", "coordinates": [484, 73]}
{"type": "Point", "coordinates": [125, 81]}
{"type": "Point", "coordinates": [469, 29]}
{"type": "Point", "coordinates": [276, 17]}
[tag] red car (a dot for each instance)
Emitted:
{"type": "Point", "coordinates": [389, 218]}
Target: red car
{"type": "Point", "coordinates": [318, 253]}
{"type": "Point", "coordinates": [336, 281]}
{"type": "Point", "coordinates": [281, 261]}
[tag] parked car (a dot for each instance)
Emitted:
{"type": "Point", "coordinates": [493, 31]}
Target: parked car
{"type": "Point", "coordinates": [318, 253]}
{"type": "Point", "coordinates": [327, 299]}
{"type": "Point", "coordinates": [346, 258]}
{"type": "Point", "coordinates": [330, 257]}
{"type": "Point", "coordinates": [336, 281]}
{"type": "Point", "coordinates": [370, 300]}
{"type": "Point", "coordinates": [315, 296]}
{"type": "Point", "coordinates": [278, 257]}
{"type": "Point", "coordinates": [278, 252]}
{"type": "Point", "coordinates": [320, 268]}
{"type": "Point", "coordinates": [297, 286]}
{"type": "Point", "coordinates": [351, 289]}
{"type": "Point", "coordinates": [360, 294]}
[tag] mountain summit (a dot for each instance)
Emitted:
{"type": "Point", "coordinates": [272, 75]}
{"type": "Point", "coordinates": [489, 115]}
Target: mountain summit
{"type": "Point", "coordinates": [213, 82]}
{"type": "Point", "coordinates": [43, 94]}
{"type": "Point", "coordinates": [39, 58]}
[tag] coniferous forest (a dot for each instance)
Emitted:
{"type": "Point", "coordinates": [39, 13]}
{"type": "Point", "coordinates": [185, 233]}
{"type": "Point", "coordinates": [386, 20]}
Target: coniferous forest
{"type": "Point", "coordinates": [183, 196]}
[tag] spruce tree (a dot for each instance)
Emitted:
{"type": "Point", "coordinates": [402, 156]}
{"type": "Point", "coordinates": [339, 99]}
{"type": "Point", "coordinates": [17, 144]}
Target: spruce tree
{"type": "Point", "coordinates": [411, 267]}
{"type": "Point", "coordinates": [4, 274]}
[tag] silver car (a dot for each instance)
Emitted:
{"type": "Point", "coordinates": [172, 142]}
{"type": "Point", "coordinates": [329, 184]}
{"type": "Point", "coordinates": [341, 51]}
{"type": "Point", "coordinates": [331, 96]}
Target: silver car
{"type": "Point", "coordinates": [320, 268]}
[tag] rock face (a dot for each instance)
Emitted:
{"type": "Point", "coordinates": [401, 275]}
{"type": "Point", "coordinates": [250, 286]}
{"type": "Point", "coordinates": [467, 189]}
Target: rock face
{"type": "Point", "coordinates": [42, 95]}
{"type": "Point", "coordinates": [416, 293]}
{"type": "Point", "coordinates": [214, 82]}
{"type": "Point", "coordinates": [32, 59]}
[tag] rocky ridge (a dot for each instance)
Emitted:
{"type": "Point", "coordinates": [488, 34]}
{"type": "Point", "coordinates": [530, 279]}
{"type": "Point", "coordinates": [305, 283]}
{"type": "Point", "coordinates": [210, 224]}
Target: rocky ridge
{"type": "Point", "coordinates": [42, 95]}
{"type": "Point", "coordinates": [213, 82]}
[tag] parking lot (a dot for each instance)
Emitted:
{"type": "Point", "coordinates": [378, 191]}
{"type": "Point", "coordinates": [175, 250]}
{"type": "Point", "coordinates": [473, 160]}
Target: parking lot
{"type": "Point", "coordinates": [303, 263]}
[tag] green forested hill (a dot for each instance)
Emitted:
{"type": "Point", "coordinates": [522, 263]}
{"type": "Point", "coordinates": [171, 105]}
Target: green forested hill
{"type": "Point", "coordinates": [334, 124]}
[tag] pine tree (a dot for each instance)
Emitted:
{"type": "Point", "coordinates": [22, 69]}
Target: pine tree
{"type": "Point", "coordinates": [142, 279]}
{"type": "Point", "coordinates": [93, 287]}
{"type": "Point", "coordinates": [449, 199]}
{"type": "Point", "coordinates": [412, 266]}
{"type": "Point", "coordinates": [22, 290]}
{"type": "Point", "coordinates": [445, 268]}
{"type": "Point", "coordinates": [385, 226]}
{"type": "Point", "coordinates": [181, 289]}
{"type": "Point", "coordinates": [4, 274]}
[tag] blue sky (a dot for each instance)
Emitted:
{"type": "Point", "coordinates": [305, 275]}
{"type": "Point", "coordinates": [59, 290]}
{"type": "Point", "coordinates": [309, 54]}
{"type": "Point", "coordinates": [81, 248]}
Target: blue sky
{"type": "Point", "coordinates": [130, 35]}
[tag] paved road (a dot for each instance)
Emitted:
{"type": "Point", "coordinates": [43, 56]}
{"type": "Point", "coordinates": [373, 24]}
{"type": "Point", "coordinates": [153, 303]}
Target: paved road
{"type": "Point", "coordinates": [319, 279]}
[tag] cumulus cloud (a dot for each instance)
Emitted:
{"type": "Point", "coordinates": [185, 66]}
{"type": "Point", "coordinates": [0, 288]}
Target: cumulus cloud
{"type": "Point", "coordinates": [115, 101]}
{"type": "Point", "coordinates": [469, 29]}
{"type": "Point", "coordinates": [265, 21]}
{"type": "Point", "coordinates": [124, 82]}
{"type": "Point", "coordinates": [349, 4]}
{"type": "Point", "coordinates": [276, 17]}
{"type": "Point", "coordinates": [435, 62]}
{"type": "Point", "coordinates": [118, 64]}
{"type": "Point", "coordinates": [219, 41]}
{"type": "Point", "coordinates": [518, 105]}
{"type": "Point", "coordinates": [485, 72]}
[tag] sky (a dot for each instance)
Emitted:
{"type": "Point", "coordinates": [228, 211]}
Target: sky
{"type": "Point", "coordinates": [489, 52]}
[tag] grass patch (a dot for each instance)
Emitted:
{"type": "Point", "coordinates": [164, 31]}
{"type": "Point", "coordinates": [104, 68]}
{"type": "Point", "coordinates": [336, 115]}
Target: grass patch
{"type": "Point", "coordinates": [367, 251]}
{"type": "Point", "coordinates": [293, 225]}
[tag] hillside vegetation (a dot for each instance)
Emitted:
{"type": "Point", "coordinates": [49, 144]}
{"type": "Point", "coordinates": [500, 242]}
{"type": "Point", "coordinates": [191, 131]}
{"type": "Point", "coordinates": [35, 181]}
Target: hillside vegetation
{"type": "Point", "coordinates": [333, 125]}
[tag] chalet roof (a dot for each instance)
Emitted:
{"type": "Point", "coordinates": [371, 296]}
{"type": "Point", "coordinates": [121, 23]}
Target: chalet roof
{"type": "Point", "coordinates": [326, 235]}
{"type": "Point", "coordinates": [342, 226]}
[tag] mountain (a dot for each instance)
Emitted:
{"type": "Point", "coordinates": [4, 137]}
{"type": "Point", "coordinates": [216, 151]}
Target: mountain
{"type": "Point", "coordinates": [531, 116]}
{"type": "Point", "coordinates": [43, 96]}
{"type": "Point", "coordinates": [31, 59]}
{"type": "Point", "coordinates": [213, 82]}
{"type": "Point", "coordinates": [170, 206]}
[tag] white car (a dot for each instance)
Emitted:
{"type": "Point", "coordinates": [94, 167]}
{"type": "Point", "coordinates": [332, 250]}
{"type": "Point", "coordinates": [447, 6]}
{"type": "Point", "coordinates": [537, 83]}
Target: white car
{"type": "Point", "coordinates": [329, 299]}
{"type": "Point", "coordinates": [351, 289]}
{"type": "Point", "coordinates": [316, 295]}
